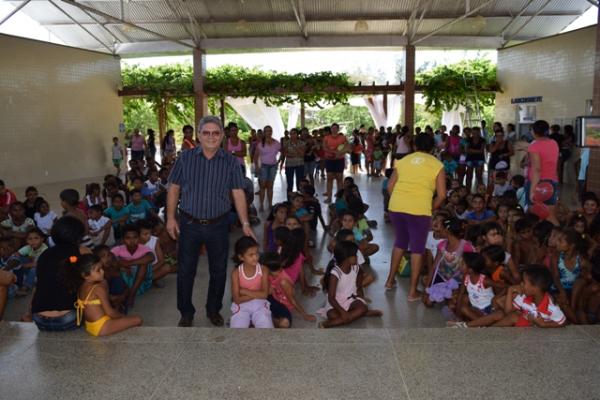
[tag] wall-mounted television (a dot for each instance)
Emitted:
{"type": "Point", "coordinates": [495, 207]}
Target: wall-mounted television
{"type": "Point", "coordinates": [588, 131]}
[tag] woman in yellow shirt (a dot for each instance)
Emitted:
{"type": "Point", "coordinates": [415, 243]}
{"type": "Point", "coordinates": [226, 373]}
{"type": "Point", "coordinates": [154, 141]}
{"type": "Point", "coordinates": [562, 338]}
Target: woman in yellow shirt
{"type": "Point", "coordinates": [412, 186]}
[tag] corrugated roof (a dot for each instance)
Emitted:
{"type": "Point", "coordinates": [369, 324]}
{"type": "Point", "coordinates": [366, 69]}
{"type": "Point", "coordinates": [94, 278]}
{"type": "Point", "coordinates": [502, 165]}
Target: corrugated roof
{"type": "Point", "coordinates": [253, 21]}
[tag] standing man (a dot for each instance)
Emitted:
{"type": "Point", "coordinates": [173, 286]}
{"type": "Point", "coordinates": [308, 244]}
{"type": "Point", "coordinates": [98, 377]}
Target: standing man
{"type": "Point", "coordinates": [207, 179]}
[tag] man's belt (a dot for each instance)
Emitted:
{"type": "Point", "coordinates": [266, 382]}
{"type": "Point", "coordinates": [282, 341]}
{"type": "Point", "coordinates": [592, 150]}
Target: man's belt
{"type": "Point", "coordinates": [201, 221]}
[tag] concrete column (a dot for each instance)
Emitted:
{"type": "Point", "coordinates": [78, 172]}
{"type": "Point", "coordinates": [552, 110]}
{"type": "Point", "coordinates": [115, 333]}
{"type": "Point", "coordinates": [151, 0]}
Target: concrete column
{"type": "Point", "coordinates": [593, 173]}
{"type": "Point", "coordinates": [222, 111]}
{"type": "Point", "coordinates": [409, 87]}
{"type": "Point", "coordinates": [200, 98]}
{"type": "Point", "coordinates": [385, 104]}
{"type": "Point", "coordinates": [302, 115]}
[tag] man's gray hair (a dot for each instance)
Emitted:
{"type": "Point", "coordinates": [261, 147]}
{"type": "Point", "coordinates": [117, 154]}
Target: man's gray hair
{"type": "Point", "coordinates": [210, 119]}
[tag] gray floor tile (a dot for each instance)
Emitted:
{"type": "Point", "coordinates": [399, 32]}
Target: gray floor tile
{"type": "Point", "coordinates": [485, 335]}
{"type": "Point", "coordinates": [51, 369]}
{"type": "Point", "coordinates": [296, 336]}
{"type": "Point", "coordinates": [284, 371]}
{"type": "Point", "coordinates": [522, 370]}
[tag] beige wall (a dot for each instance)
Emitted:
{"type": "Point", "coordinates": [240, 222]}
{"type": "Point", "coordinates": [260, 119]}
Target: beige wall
{"type": "Point", "coordinates": [559, 68]}
{"type": "Point", "coordinates": [59, 110]}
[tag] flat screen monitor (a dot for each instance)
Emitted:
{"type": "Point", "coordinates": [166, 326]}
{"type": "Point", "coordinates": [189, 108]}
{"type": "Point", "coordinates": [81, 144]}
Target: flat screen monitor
{"type": "Point", "coordinates": [588, 131]}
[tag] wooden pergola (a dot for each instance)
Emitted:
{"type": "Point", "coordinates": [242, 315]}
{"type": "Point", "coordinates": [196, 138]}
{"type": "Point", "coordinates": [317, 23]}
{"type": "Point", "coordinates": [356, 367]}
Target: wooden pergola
{"type": "Point", "coordinates": [357, 90]}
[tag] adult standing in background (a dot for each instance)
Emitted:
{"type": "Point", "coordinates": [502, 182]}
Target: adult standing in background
{"type": "Point", "coordinates": [206, 179]}
{"type": "Point", "coordinates": [138, 145]}
{"type": "Point", "coordinates": [151, 145]}
{"type": "Point", "coordinates": [292, 156]}
{"type": "Point", "coordinates": [168, 147]}
{"type": "Point", "coordinates": [543, 155]}
{"type": "Point", "coordinates": [335, 147]}
{"type": "Point", "coordinates": [415, 179]}
{"type": "Point", "coordinates": [265, 158]}
{"type": "Point", "coordinates": [236, 146]}
{"type": "Point", "coordinates": [189, 141]}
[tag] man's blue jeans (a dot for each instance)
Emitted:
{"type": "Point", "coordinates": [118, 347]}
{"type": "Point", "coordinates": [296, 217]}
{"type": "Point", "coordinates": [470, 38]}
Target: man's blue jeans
{"type": "Point", "coordinates": [216, 239]}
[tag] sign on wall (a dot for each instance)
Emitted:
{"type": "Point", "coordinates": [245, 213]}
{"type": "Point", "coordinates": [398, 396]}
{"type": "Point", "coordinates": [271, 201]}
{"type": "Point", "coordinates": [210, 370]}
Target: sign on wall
{"type": "Point", "coordinates": [521, 100]}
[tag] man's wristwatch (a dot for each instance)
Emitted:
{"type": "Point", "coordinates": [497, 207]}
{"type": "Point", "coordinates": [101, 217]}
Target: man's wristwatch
{"type": "Point", "coordinates": [245, 223]}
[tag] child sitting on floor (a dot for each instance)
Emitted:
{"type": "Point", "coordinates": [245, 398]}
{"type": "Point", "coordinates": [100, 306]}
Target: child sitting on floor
{"type": "Point", "coordinates": [101, 230]}
{"type": "Point", "coordinates": [343, 284]}
{"type": "Point", "coordinates": [85, 273]}
{"type": "Point", "coordinates": [588, 304]}
{"type": "Point", "coordinates": [249, 288]}
{"type": "Point", "coordinates": [29, 255]}
{"type": "Point", "coordinates": [446, 277]}
{"type": "Point", "coordinates": [567, 269]}
{"type": "Point", "coordinates": [276, 219]}
{"type": "Point", "coordinates": [479, 213]}
{"type": "Point", "coordinates": [478, 287]}
{"type": "Point", "coordinates": [44, 218]}
{"type": "Point", "coordinates": [134, 260]}
{"type": "Point", "coordinates": [160, 268]}
{"type": "Point", "coordinates": [118, 214]}
{"type": "Point", "coordinates": [17, 224]}
{"type": "Point", "coordinates": [282, 299]}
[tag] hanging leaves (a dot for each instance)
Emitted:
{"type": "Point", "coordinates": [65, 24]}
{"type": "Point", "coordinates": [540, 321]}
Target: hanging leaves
{"type": "Point", "coordinates": [274, 88]}
{"type": "Point", "coordinates": [447, 86]}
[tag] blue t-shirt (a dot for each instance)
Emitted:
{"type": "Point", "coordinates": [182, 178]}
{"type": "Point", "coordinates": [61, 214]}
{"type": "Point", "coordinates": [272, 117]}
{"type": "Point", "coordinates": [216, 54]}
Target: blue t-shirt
{"type": "Point", "coordinates": [116, 215]}
{"type": "Point", "coordinates": [485, 214]}
{"type": "Point", "coordinates": [139, 211]}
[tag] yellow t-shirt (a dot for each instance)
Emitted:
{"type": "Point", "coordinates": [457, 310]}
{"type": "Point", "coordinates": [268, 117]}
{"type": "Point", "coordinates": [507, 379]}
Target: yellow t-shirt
{"type": "Point", "coordinates": [413, 191]}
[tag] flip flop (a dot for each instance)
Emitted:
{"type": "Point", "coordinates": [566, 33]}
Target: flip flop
{"type": "Point", "coordinates": [414, 299]}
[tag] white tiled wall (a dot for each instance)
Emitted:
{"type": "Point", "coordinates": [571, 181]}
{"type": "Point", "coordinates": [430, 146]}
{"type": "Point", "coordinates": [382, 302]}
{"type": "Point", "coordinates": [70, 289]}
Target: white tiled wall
{"type": "Point", "coordinates": [59, 109]}
{"type": "Point", "coordinates": [559, 68]}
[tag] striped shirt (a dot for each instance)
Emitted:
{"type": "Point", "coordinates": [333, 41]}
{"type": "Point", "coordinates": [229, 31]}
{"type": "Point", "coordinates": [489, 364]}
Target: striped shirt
{"type": "Point", "coordinates": [206, 184]}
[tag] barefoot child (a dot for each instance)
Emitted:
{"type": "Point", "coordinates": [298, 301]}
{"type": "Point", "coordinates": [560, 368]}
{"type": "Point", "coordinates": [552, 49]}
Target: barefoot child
{"type": "Point", "coordinates": [281, 298]}
{"type": "Point", "coordinates": [160, 268]}
{"type": "Point", "coordinates": [343, 284]}
{"type": "Point", "coordinates": [93, 304]}
{"type": "Point", "coordinates": [249, 288]}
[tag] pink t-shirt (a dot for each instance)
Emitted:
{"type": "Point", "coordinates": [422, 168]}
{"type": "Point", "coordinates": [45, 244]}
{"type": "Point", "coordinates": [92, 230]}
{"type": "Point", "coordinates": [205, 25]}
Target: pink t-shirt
{"type": "Point", "coordinates": [548, 152]}
{"type": "Point", "coordinates": [137, 143]}
{"type": "Point", "coordinates": [124, 254]}
{"type": "Point", "coordinates": [293, 270]}
{"type": "Point", "coordinates": [268, 152]}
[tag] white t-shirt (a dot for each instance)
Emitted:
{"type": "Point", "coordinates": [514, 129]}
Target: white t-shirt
{"type": "Point", "coordinates": [117, 152]}
{"type": "Point", "coordinates": [45, 223]}
{"type": "Point", "coordinates": [526, 306]}
{"type": "Point", "coordinates": [96, 226]}
{"type": "Point", "coordinates": [432, 243]}
{"type": "Point", "coordinates": [151, 244]}
{"type": "Point", "coordinates": [500, 189]}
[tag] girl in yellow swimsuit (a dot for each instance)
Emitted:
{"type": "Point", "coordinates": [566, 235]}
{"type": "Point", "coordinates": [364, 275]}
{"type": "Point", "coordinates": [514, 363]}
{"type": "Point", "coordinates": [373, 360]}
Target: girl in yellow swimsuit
{"type": "Point", "coordinates": [101, 319]}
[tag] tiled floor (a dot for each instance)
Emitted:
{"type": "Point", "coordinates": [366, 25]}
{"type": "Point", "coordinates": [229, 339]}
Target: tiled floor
{"type": "Point", "coordinates": [207, 363]}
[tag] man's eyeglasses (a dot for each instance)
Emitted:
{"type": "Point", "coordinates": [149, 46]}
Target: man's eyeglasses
{"type": "Point", "coordinates": [210, 133]}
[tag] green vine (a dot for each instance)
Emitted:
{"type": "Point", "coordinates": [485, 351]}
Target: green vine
{"type": "Point", "coordinates": [447, 86]}
{"type": "Point", "coordinates": [274, 88]}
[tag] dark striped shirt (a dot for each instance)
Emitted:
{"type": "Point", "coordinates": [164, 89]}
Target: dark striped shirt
{"type": "Point", "coordinates": [206, 184]}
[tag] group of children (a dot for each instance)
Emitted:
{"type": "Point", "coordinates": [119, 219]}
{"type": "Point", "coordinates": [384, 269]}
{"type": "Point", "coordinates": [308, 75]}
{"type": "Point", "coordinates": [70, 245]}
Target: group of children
{"type": "Point", "coordinates": [494, 265]}
{"type": "Point", "coordinates": [131, 250]}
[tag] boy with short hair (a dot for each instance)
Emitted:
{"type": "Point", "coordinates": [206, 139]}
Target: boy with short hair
{"type": "Point", "coordinates": [134, 261]}
{"type": "Point", "coordinates": [118, 213]}
{"type": "Point", "coordinates": [479, 213]}
{"type": "Point", "coordinates": [139, 208]}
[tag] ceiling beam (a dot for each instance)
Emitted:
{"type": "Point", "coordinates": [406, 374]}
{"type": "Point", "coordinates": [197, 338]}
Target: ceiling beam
{"type": "Point", "coordinates": [513, 19]}
{"type": "Point", "coordinates": [101, 25]}
{"type": "Point", "coordinates": [515, 33]}
{"type": "Point", "coordinates": [13, 12]}
{"type": "Point", "coordinates": [120, 21]}
{"type": "Point", "coordinates": [395, 18]}
{"type": "Point", "coordinates": [298, 7]}
{"type": "Point", "coordinates": [232, 45]}
{"type": "Point", "coordinates": [454, 21]}
{"type": "Point", "coordinates": [96, 38]}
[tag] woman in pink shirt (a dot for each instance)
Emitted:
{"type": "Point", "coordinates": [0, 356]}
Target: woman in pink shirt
{"type": "Point", "coordinates": [265, 158]}
{"type": "Point", "coordinates": [138, 145]}
{"type": "Point", "coordinates": [543, 162]}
